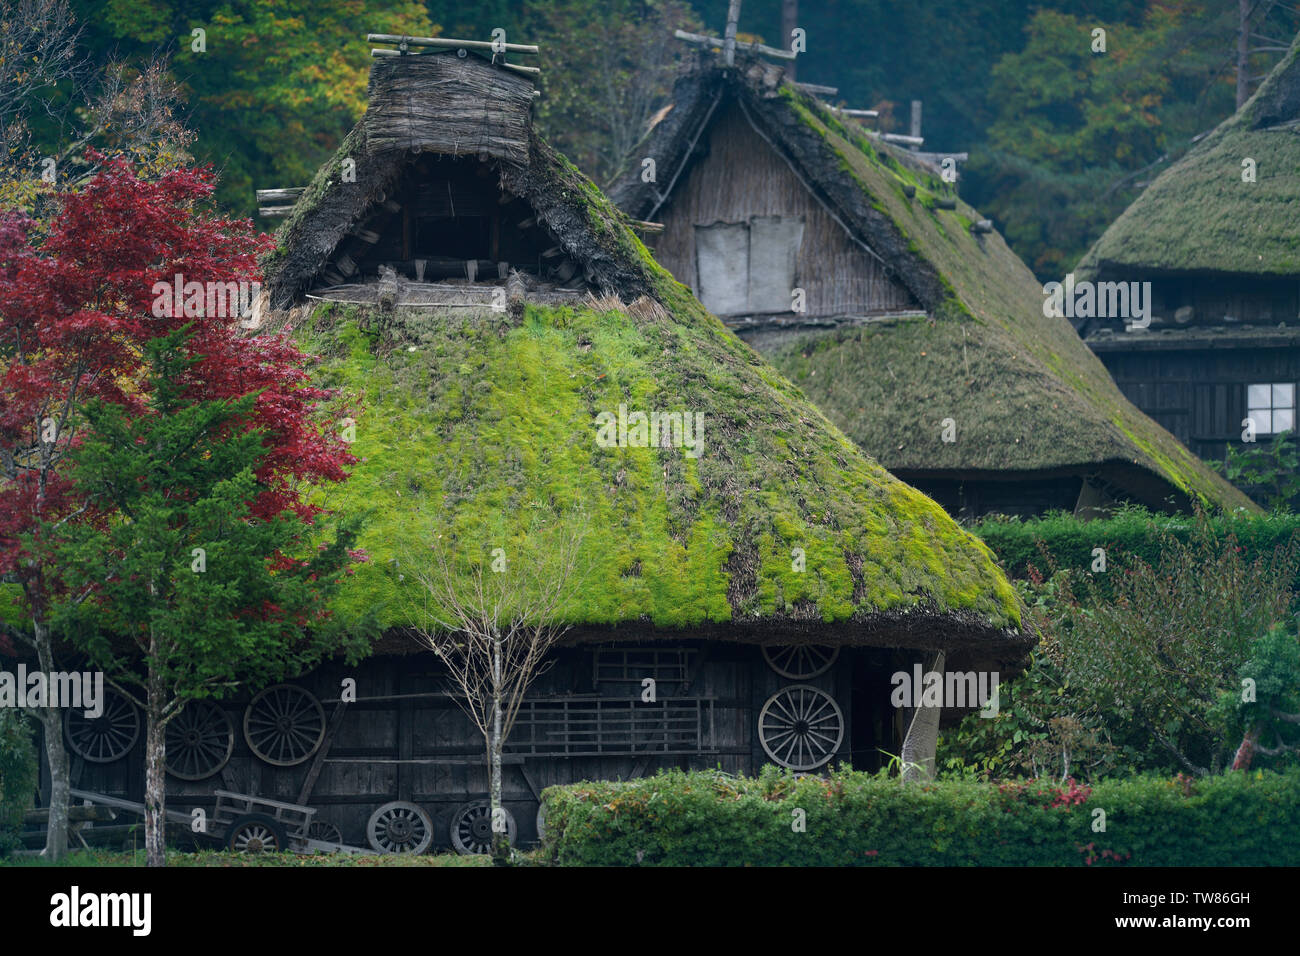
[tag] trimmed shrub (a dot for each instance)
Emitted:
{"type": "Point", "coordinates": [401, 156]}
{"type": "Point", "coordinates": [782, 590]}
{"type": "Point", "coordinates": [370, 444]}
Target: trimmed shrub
{"type": "Point", "coordinates": [1063, 541]}
{"type": "Point", "coordinates": [850, 818]}
{"type": "Point", "coordinates": [18, 773]}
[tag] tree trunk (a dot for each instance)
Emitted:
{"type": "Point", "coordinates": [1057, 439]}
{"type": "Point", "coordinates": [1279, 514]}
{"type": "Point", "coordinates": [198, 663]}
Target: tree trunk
{"type": "Point", "coordinates": [56, 755]}
{"type": "Point", "coordinates": [155, 786]}
{"type": "Point", "coordinates": [500, 835]}
{"type": "Point", "coordinates": [1246, 752]}
{"type": "Point", "coordinates": [922, 736]}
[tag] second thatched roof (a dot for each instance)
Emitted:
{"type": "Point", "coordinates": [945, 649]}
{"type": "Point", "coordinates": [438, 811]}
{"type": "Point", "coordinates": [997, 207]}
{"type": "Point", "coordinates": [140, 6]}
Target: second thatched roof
{"type": "Point", "coordinates": [1024, 392]}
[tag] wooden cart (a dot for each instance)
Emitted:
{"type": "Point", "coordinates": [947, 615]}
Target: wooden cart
{"type": "Point", "coordinates": [242, 822]}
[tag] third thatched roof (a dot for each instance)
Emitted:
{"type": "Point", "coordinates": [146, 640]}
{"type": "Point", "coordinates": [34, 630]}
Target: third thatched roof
{"type": "Point", "coordinates": [1199, 215]}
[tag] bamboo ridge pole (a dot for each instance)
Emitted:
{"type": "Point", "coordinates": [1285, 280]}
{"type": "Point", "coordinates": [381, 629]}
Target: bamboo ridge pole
{"type": "Point", "coordinates": [448, 43]}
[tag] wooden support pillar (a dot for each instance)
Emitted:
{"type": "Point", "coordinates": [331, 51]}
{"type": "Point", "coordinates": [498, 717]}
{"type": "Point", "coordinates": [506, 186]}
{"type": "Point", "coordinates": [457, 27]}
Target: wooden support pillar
{"type": "Point", "coordinates": [918, 753]}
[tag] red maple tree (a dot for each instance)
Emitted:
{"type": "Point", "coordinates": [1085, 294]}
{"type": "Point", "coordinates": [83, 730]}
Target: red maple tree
{"type": "Point", "coordinates": [79, 298]}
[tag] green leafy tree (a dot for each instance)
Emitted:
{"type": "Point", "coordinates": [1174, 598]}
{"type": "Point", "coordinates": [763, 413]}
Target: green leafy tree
{"type": "Point", "coordinates": [606, 69]}
{"type": "Point", "coordinates": [272, 86]}
{"type": "Point", "coordinates": [18, 774]}
{"type": "Point", "coordinates": [1159, 649]}
{"type": "Point", "coordinates": [182, 594]}
{"type": "Point", "coordinates": [1265, 709]}
{"type": "Point", "coordinates": [1267, 471]}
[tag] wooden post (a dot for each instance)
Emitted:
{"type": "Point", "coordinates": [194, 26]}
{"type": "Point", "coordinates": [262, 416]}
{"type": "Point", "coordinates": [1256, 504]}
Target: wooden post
{"type": "Point", "coordinates": [729, 37]}
{"type": "Point", "coordinates": [1243, 52]}
{"type": "Point", "coordinates": [789, 20]}
{"type": "Point", "coordinates": [916, 120]}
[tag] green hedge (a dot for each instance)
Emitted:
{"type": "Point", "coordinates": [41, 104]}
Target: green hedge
{"type": "Point", "coordinates": [711, 819]}
{"type": "Point", "coordinates": [1131, 532]}
{"type": "Point", "coordinates": [18, 771]}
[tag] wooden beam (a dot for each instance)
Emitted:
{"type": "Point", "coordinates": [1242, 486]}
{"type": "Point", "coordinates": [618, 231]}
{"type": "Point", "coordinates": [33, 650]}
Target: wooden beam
{"type": "Point", "coordinates": [900, 138]}
{"type": "Point", "coordinates": [699, 40]}
{"type": "Point", "coordinates": [280, 195]}
{"type": "Point", "coordinates": [322, 752]}
{"type": "Point", "coordinates": [272, 211]}
{"type": "Point", "coordinates": [516, 68]}
{"type": "Point", "coordinates": [447, 43]}
{"type": "Point", "coordinates": [867, 114]}
{"type": "Point", "coordinates": [817, 88]}
{"type": "Point", "coordinates": [654, 228]}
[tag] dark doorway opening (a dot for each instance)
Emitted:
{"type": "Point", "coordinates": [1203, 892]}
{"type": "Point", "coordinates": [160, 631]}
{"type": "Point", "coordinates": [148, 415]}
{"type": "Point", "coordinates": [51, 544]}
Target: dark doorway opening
{"type": "Point", "coordinates": [871, 727]}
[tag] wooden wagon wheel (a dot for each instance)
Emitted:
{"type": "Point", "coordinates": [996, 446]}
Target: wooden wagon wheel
{"type": "Point", "coordinates": [284, 725]}
{"type": "Point", "coordinates": [105, 738]}
{"type": "Point", "coordinates": [200, 740]}
{"type": "Point", "coordinates": [800, 727]}
{"type": "Point", "coordinates": [256, 833]}
{"type": "Point", "coordinates": [324, 831]}
{"type": "Point", "coordinates": [800, 661]}
{"type": "Point", "coordinates": [471, 828]}
{"type": "Point", "coordinates": [399, 827]}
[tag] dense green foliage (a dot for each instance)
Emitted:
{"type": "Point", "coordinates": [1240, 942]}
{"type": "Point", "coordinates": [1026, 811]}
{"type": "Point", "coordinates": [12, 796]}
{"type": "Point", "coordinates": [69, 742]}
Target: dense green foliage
{"type": "Point", "coordinates": [275, 86]}
{"type": "Point", "coordinates": [711, 819]}
{"type": "Point", "coordinates": [18, 769]}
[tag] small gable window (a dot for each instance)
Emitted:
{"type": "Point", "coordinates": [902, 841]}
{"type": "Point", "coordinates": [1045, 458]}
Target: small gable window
{"type": "Point", "coordinates": [1271, 406]}
{"type": "Point", "coordinates": [748, 268]}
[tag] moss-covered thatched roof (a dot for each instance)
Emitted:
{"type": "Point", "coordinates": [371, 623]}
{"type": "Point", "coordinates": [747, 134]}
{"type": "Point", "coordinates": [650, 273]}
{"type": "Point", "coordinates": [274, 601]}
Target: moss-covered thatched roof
{"type": "Point", "coordinates": [1199, 216]}
{"type": "Point", "coordinates": [1024, 392]}
{"type": "Point", "coordinates": [482, 426]}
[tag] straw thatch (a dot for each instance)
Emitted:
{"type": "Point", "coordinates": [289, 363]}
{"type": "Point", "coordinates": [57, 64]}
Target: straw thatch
{"type": "Point", "coordinates": [448, 104]}
{"type": "Point", "coordinates": [487, 421]}
{"type": "Point", "coordinates": [1199, 216]}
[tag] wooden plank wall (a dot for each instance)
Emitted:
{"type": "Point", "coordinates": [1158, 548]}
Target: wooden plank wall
{"type": "Point", "coordinates": [742, 177]}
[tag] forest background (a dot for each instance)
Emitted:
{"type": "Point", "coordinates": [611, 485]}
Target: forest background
{"type": "Point", "coordinates": [1061, 136]}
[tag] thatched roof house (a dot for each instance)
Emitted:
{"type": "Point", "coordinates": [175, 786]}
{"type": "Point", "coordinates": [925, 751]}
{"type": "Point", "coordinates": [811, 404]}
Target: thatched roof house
{"type": "Point", "coordinates": [478, 413]}
{"type": "Point", "coordinates": [504, 327]}
{"type": "Point", "coordinates": [922, 335]}
{"type": "Point", "coordinates": [1216, 236]}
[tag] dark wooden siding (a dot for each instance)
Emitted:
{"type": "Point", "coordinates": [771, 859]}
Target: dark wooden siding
{"type": "Point", "coordinates": [1200, 395]}
{"type": "Point", "coordinates": [423, 749]}
{"type": "Point", "coordinates": [741, 177]}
